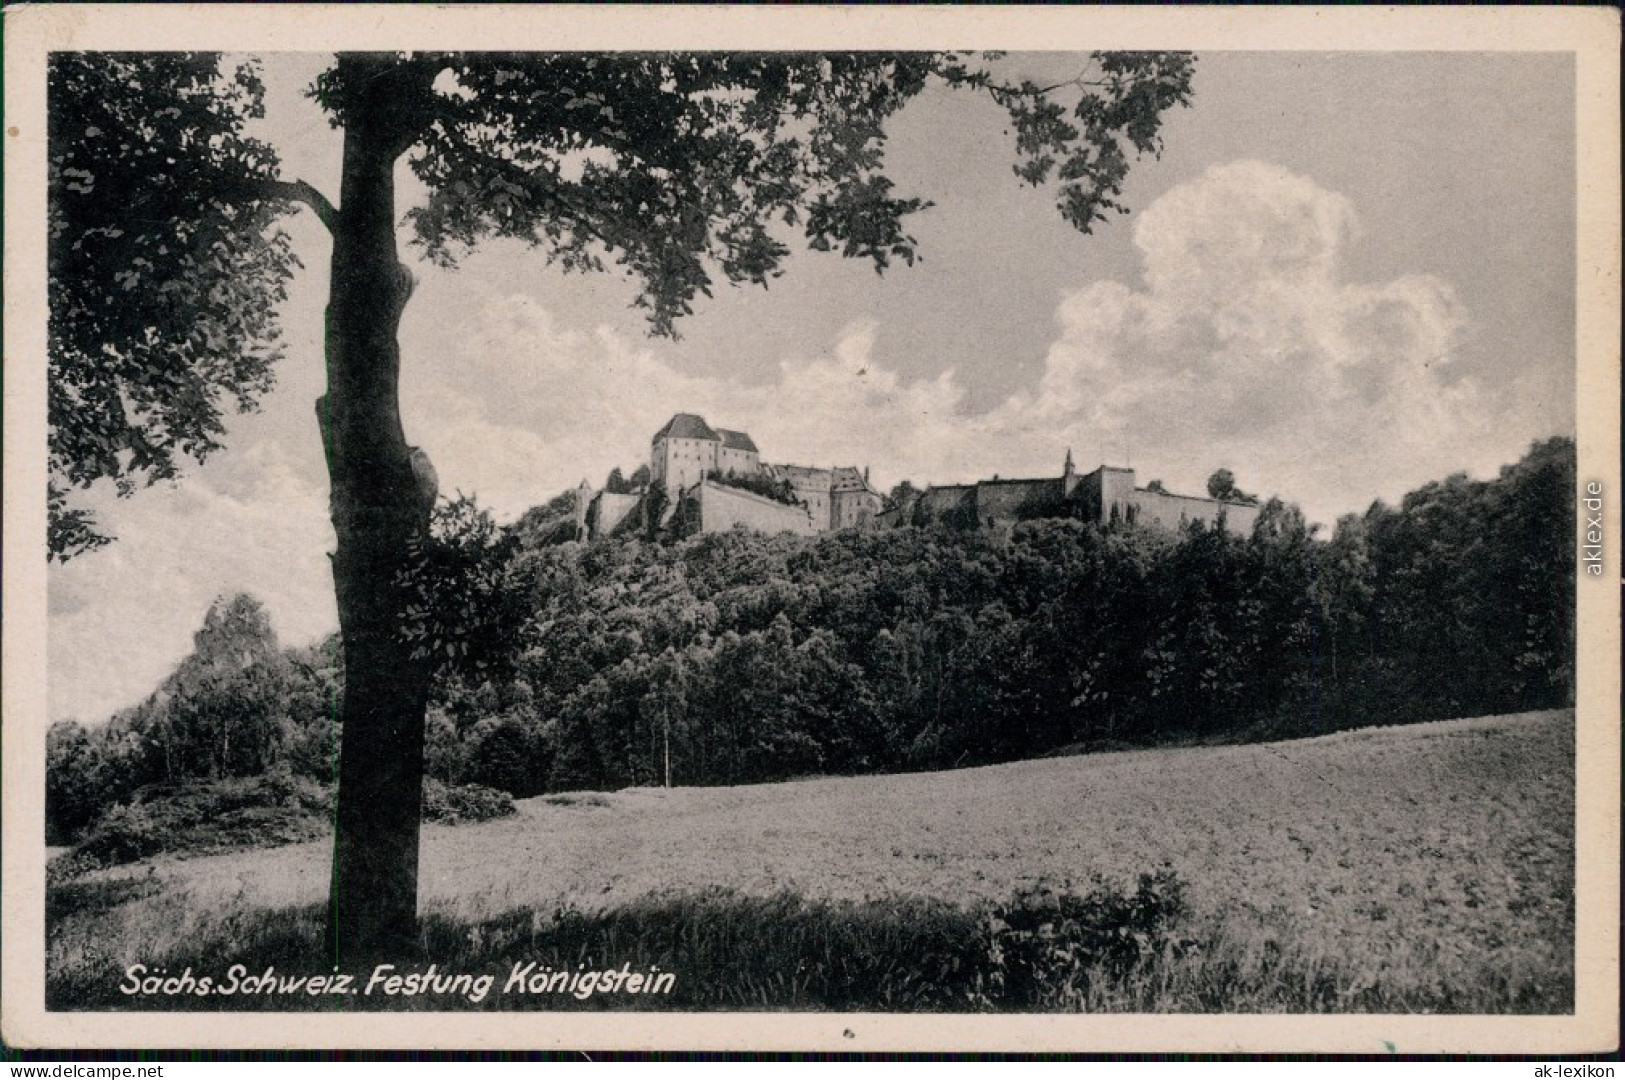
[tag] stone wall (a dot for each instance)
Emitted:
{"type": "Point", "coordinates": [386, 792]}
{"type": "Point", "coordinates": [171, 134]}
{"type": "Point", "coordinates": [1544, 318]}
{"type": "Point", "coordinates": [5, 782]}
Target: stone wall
{"type": "Point", "coordinates": [612, 512]}
{"type": "Point", "coordinates": [1176, 511]}
{"type": "Point", "coordinates": [811, 485]}
{"type": "Point", "coordinates": [1007, 501]}
{"type": "Point", "coordinates": [738, 462]}
{"type": "Point", "coordinates": [721, 508]}
{"type": "Point", "coordinates": [953, 504]}
{"type": "Point", "coordinates": [1116, 486]}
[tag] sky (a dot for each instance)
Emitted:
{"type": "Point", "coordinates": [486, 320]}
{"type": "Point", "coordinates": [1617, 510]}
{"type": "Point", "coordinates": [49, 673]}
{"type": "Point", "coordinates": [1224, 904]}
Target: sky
{"type": "Point", "coordinates": [1346, 275]}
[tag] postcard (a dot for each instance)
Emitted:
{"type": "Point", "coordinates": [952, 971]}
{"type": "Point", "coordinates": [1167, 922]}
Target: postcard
{"type": "Point", "coordinates": [1066, 529]}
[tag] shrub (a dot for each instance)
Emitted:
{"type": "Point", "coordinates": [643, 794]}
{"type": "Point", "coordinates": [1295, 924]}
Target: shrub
{"type": "Point", "coordinates": [123, 834]}
{"type": "Point", "coordinates": [204, 816]}
{"type": "Point", "coordinates": [1047, 946]}
{"type": "Point", "coordinates": [452, 804]}
{"type": "Point", "coordinates": [781, 491]}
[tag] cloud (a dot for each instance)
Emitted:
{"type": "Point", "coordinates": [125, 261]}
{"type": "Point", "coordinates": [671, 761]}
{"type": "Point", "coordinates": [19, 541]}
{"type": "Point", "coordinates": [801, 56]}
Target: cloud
{"type": "Point", "coordinates": [555, 405]}
{"type": "Point", "coordinates": [123, 617]}
{"type": "Point", "coordinates": [1246, 345]}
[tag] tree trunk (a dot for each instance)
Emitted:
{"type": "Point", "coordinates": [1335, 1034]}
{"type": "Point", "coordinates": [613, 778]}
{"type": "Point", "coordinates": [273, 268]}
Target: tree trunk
{"type": "Point", "coordinates": [380, 504]}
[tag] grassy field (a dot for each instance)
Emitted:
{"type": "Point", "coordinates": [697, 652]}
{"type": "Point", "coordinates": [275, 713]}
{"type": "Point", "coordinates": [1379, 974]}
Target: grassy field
{"type": "Point", "coordinates": [1424, 868]}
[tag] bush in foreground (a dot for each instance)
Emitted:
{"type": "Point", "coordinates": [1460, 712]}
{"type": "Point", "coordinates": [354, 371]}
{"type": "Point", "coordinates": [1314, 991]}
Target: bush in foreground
{"type": "Point", "coordinates": [205, 816]}
{"type": "Point", "coordinates": [1103, 950]}
{"type": "Point", "coordinates": [1045, 950]}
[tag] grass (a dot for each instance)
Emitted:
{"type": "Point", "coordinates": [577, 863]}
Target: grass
{"type": "Point", "coordinates": [211, 816]}
{"type": "Point", "coordinates": [1415, 869]}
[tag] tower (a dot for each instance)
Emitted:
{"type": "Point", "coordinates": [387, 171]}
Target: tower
{"type": "Point", "coordinates": [683, 452]}
{"type": "Point", "coordinates": [584, 497]}
{"type": "Point", "coordinates": [1069, 476]}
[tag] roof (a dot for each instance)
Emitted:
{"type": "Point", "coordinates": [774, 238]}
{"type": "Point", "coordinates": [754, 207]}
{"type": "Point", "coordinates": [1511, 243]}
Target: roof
{"type": "Point", "coordinates": [686, 426]}
{"type": "Point", "coordinates": [1165, 493]}
{"type": "Point", "coordinates": [734, 440]}
{"type": "Point", "coordinates": [848, 478]}
{"type": "Point", "coordinates": [1034, 480]}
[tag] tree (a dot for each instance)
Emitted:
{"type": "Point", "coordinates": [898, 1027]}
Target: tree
{"type": "Point", "coordinates": [901, 493]}
{"type": "Point", "coordinates": [1222, 485]}
{"type": "Point", "coordinates": [71, 794]}
{"type": "Point", "coordinates": [224, 702]}
{"type": "Point", "coordinates": [165, 270]}
{"type": "Point", "coordinates": [676, 168]}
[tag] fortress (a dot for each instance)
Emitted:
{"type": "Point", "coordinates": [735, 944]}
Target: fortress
{"type": "Point", "coordinates": [705, 479]}
{"type": "Point", "coordinates": [1108, 496]}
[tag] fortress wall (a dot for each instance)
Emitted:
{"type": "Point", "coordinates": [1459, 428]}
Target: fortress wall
{"type": "Point", "coordinates": [817, 501]}
{"type": "Point", "coordinates": [1173, 511]}
{"type": "Point", "coordinates": [612, 511]}
{"type": "Point", "coordinates": [946, 503]}
{"type": "Point", "coordinates": [1086, 495]}
{"type": "Point", "coordinates": [1240, 519]}
{"type": "Point", "coordinates": [812, 486]}
{"type": "Point", "coordinates": [721, 508]}
{"type": "Point", "coordinates": [1017, 500]}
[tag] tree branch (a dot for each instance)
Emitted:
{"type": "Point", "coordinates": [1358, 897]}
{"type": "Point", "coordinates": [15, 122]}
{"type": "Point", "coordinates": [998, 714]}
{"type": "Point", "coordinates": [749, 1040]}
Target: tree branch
{"type": "Point", "coordinates": [302, 191]}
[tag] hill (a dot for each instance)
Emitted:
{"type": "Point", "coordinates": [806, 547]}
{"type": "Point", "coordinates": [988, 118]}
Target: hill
{"type": "Point", "coordinates": [737, 658]}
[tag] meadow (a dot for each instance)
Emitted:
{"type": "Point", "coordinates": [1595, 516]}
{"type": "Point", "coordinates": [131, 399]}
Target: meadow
{"type": "Point", "coordinates": [1427, 867]}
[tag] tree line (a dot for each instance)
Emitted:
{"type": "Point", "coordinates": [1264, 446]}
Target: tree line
{"type": "Point", "coordinates": [736, 657]}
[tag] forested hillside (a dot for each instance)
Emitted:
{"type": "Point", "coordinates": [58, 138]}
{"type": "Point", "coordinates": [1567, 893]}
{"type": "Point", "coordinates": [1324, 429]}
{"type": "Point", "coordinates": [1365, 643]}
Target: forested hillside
{"type": "Point", "coordinates": [733, 658]}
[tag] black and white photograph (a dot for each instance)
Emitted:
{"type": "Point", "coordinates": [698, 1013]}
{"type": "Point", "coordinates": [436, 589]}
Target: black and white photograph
{"type": "Point", "coordinates": [812, 529]}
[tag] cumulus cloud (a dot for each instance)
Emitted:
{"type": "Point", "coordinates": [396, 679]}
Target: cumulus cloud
{"type": "Point", "coordinates": [1247, 345]}
{"type": "Point", "coordinates": [122, 618]}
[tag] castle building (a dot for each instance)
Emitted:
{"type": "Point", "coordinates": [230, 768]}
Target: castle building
{"type": "Point", "coordinates": [1106, 496]}
{"type": "Point", "coordinates": [705, 476]}
{"type": "Point", "coordinates": [690, 463]}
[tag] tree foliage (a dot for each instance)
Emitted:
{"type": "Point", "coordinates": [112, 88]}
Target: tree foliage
{"type": "Point", "coordinates": [165, 269]}
{"type": "Point", "coordinates": [680, 168]}
{"type": "Point", "coordinates": [466, 608]}
{"type": "Point", "coordinates": [235, 707]}
{"type": "Point", "coordinates": [780, 491]}
{"type": "Point", "coordinates": [1222, 485]}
